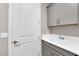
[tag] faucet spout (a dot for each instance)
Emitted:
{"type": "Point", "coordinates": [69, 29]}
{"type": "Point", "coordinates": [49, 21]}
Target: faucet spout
{"type": "Point", "coordinates": [60, 37]}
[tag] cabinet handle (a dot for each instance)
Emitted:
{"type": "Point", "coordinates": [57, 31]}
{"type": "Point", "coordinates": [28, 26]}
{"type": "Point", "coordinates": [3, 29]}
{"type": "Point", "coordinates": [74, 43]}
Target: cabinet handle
{"type": "Point", "coordinates": [60, 37]}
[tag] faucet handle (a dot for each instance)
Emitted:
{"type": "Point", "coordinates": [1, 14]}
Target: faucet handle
{"type": "Point", "coordinates": [60, 37]}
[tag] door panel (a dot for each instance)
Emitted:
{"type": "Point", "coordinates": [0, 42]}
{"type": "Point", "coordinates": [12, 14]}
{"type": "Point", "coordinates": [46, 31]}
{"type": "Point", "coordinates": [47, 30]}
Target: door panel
{"type": "Point", "coordinates": [25, 18]}
{"type": "Point", "coordinates": [31, 49]}
{"type": "Point", "coordinates": [25, 21]}
{"type": "Point", "coordinates": [27, 39]}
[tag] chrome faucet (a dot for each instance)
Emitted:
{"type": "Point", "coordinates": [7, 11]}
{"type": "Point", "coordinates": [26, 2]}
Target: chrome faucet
{"type": "Point", "coordinates": [60, 37]}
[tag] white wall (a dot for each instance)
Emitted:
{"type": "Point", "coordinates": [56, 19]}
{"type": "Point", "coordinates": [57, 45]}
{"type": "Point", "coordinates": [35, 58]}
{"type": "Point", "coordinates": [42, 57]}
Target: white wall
{"type": "Point", "coordinates": [3, 28]}
{"type": "Point", "coordinates": [3, 17]}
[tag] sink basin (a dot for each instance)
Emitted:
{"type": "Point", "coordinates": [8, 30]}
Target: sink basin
{"type": "Point", "coordinates": [69, 43]}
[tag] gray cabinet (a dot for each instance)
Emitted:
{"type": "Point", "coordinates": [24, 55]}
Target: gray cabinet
{"type": "Point", "coordinates": [62, 14]}
{"type": "Point", "coordinates": [52, 14]}
{"type": "Point", "coordinates": [47, 51]}
{"type": "Point", "coordinates": [52, 50]}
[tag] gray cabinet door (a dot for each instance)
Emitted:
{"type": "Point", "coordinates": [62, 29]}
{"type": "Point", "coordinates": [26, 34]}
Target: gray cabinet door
{"type": "Point", "coordinates": [52, 12]}
{"type": "Point", "coordinates": [68, 13]}
{"type": "Point", "coordinates": [47, 51]}
{"type": "Point", "coordinates": [62, 14]}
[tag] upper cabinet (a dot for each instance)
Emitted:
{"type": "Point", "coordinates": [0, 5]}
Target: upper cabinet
{"type": "Point", "coordinates": [62, 14]}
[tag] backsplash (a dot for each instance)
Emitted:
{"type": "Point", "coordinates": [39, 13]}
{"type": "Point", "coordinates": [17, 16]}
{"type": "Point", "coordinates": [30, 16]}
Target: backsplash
{"type": "Point", "coordinates": [71, 30]}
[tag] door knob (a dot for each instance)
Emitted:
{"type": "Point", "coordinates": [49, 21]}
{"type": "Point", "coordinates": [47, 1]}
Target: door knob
{"type": "Point", "coordinates": [15, 42]}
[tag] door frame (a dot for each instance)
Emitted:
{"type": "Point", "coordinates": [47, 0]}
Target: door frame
{"type": "Point", "coordinates": [10, 18]}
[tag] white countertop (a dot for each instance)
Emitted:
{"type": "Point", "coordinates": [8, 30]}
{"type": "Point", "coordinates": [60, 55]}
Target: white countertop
{"type": "Point", "coordinates": [69, 43]}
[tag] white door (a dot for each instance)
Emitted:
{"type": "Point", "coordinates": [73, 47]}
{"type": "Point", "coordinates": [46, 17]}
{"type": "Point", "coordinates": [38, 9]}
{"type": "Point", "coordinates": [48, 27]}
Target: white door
{"type": "Point", "coordinates": [24, 29]}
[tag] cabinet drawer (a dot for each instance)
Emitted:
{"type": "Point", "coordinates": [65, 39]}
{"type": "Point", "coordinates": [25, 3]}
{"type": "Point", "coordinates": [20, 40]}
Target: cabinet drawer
{"type": "Point", "coordinates": [59, 50]}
